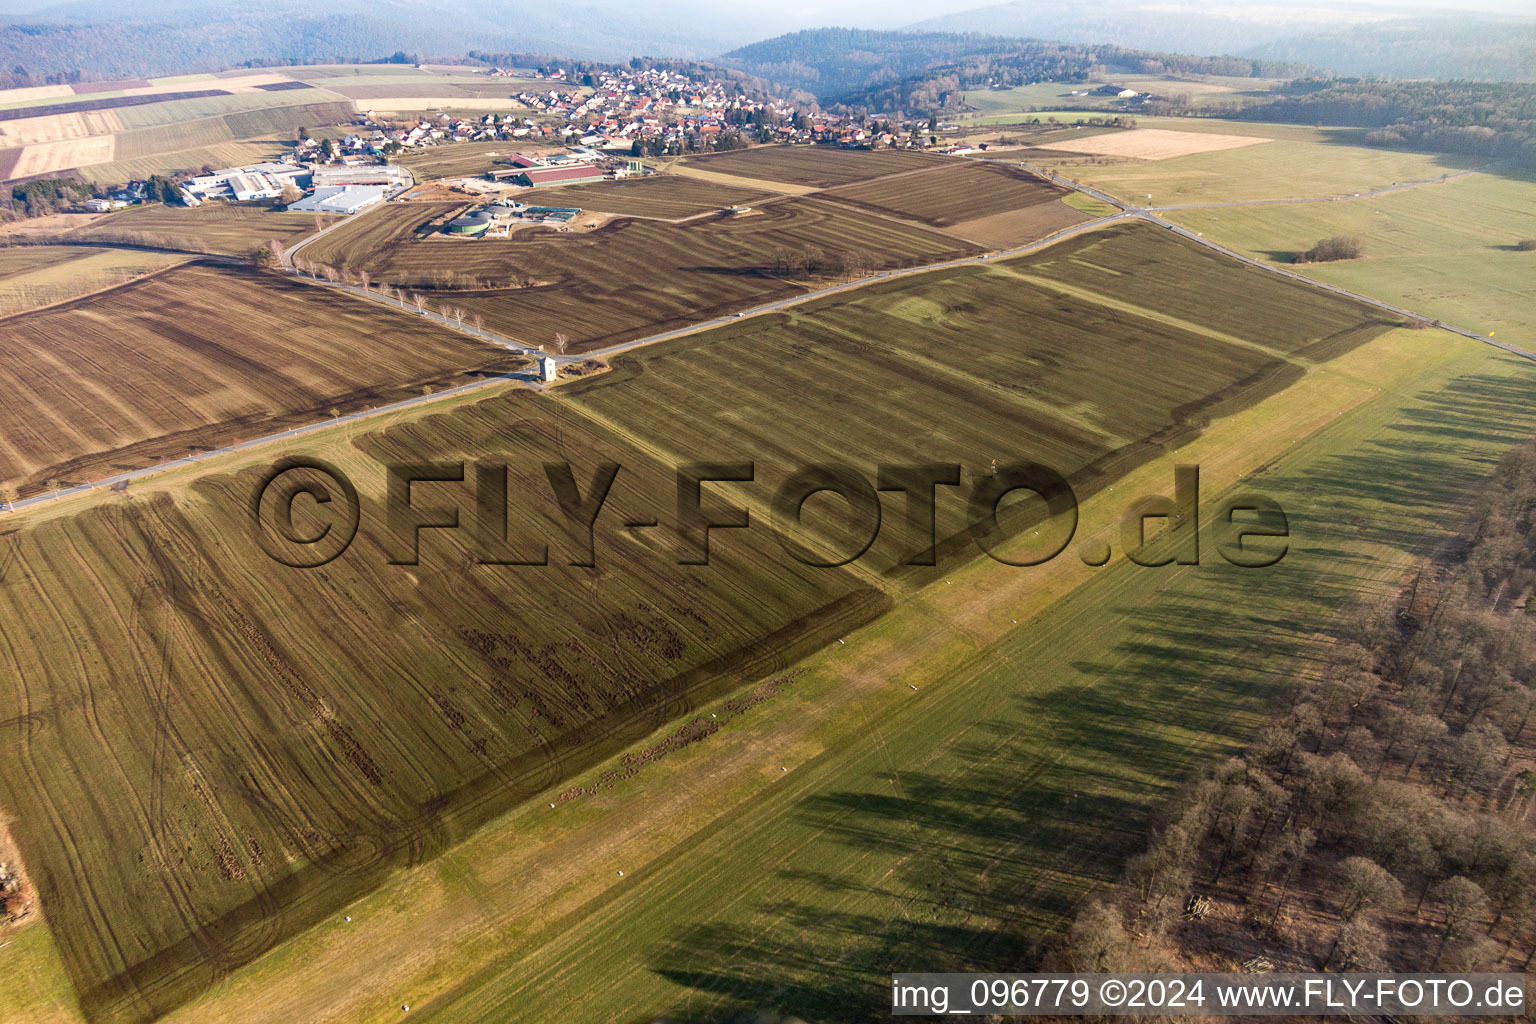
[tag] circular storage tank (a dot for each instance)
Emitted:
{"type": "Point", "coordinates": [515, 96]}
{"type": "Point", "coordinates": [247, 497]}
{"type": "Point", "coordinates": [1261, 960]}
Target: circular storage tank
{"type": "Point", "coordinates": [471, 224]}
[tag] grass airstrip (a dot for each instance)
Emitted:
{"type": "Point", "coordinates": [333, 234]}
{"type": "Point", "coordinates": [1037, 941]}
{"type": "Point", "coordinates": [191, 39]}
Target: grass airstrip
{"type": "Point", "coordinates": [368, 716]}
{"type": "Point", "coordinates": [247, 791]}
{"type": "Point", "coordinates": [1448, 250]}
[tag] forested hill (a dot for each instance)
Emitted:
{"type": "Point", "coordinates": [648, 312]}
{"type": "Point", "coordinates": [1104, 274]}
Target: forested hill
{"type": "Point", "coordinates": [108, 38]}
{"type": "Point", "coordinates": [1474, 48]}
{"type": "Point", "coordinates": [922, 71]}
{"type": "Point", "coordinates": [1493, 119]}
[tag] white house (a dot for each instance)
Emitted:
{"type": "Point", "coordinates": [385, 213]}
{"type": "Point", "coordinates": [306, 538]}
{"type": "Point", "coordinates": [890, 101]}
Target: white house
{"type": "Point", "coordinates": [546, 368]}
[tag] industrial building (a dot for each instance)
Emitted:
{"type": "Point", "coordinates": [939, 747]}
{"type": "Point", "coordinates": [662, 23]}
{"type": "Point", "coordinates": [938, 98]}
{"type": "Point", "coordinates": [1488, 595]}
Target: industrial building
{"type": "Point", "coordinates": [343, 199]}
{"type": "Point", "coordinates": [242, 184]}
{"type": "Point", "coordinates": [572, 174]}
{"type": "Point", "coordinates": [388, 175]}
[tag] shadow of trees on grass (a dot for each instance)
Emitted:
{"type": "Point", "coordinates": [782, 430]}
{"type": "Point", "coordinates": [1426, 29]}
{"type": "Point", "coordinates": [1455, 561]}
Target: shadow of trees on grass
{"type": "Point", "coordinates": [994, 839]}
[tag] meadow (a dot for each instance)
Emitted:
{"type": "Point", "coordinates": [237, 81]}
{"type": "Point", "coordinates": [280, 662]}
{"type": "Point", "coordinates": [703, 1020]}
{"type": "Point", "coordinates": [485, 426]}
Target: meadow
{"type": "Point", "coordinates": [1203, 91]}
{"type": "Point", "coordinates": [1446, 250]}
{"type": "Point", "coordinates": [1298, 162]}
{"type": "Point", "coordinates": [959, 824]}
{"type": "Point", "coordinates": [628, 278]}
{"type": "Point", "coordinates": [199, 356]}
{"type": "Point", "coordinates": [813, 166]}
{"type": "Point", "coordinates": [663, 196]}
{"type": "Point", "coordinates": [234, 229]}
{"type": "Point", "coordinates": [379, 713]}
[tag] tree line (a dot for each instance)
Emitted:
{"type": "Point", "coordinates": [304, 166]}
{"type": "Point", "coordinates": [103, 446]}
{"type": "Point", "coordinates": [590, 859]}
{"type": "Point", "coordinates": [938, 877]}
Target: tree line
{"type": "Point", "coordinates": [1384, 818]}
{"type": "Point", "coordinates": [1493, 119]}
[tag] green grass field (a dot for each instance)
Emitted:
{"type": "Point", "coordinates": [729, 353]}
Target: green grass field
{"type": "Point", "coordinates": [365, 734]}
{"type": "Point", "coordinates": [1445, 250]}
{"type": "Point", "coordinates": [154, 115]}
{"type": "Point", "coordinates": [171, 138]}
{"type": "Point", "coordinates": [225, 154]}
{"type": "Point", "coordinates": [1298, 163]}
{"type": "Point", "coordinates": [954, 826]}
{"type": "Point", "coordinates": [1203, 91]}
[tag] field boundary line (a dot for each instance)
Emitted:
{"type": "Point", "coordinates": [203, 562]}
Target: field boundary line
{"type": "Point", "coordinates": [1151, 215]}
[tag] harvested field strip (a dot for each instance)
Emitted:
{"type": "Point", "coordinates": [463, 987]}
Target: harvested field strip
{"type": "Point", "coordinates": [51, 274]}
{"type": "Point", "coordinates": [365, 717]}
{"type": "Point", "coordinates": [948, 195]}
{"type": "Point", "coordinates": [1150, 268]}
{"type": "Point", "coordinates": [250, 357]}
{"type": "Point", "coordinates": [1095, 711]}
{"type": "Point", "coordinates": [1152, 143]}
{"type": "Point", "coordinates": [628, 278]}
{"type": "Point", "coordinates": [665, 196]}
{"type": "Point", "coordinates": [49, 157]}
{"type": "Point", "coordinates": [684, 170]}
{"type": "Point", "coordinates": [171, 138]}
{"type": "Point", "coordinates": [235, 229]}
{"type": "Point", "coordinates": [298, 780]}
{"type": "Point", "coordinates": [33, 130]}
{"type": "Point", "coordinates": [1017, 227]}
{"type": "Point", "coordinates": [113, 103]}
{"type": "Point", "coordinates": [816, 166]}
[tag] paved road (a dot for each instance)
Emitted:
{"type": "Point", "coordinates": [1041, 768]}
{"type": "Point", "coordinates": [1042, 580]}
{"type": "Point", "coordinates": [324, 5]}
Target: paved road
{"type": "Point", "coordinates": [477, 333]}
{"type": "Point", "coordinates": [1127, 211]}
{"type": "Point", "coordinates": [191, 460]}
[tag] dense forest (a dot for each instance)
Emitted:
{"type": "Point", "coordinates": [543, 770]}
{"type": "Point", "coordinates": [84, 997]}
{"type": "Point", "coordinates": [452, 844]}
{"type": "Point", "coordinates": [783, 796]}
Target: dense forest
{"type": "Point", "coordinates": [124, 42]}
{"type": "Point", "coordinates": [926, 74]}
{"type": "Point", "coordinates": [926, 71]}
{"type": "Point", "coordinates": [1495, 119]}
{"type": "Point", "coordinates": [1446, 48]}
{"type": "Point", "coordinates": [1384, 820]}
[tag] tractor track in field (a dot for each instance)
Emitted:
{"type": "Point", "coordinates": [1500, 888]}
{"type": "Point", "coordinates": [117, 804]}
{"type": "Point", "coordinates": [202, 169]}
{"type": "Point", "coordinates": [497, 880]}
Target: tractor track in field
{"type": "Point", "coordinates": [1124, 212]}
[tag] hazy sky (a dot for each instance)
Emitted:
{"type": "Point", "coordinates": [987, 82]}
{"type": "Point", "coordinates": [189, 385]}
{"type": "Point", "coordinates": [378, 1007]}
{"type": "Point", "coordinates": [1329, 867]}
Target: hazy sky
{"type": "Point", "coordinates": [861, 13]}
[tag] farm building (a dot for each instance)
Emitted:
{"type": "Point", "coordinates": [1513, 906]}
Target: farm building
{"type": "Point", "coordinates": [344, 199]}
{"type": "Point", "coordinates": [573, 174]}
{"type": "Point", "coordinates": [471, 225]}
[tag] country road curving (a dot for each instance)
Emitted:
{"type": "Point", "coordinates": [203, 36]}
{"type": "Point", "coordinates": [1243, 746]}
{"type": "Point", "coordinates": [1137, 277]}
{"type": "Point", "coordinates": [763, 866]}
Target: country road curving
{"type": "Point", "coordinates": [1126, 212]}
